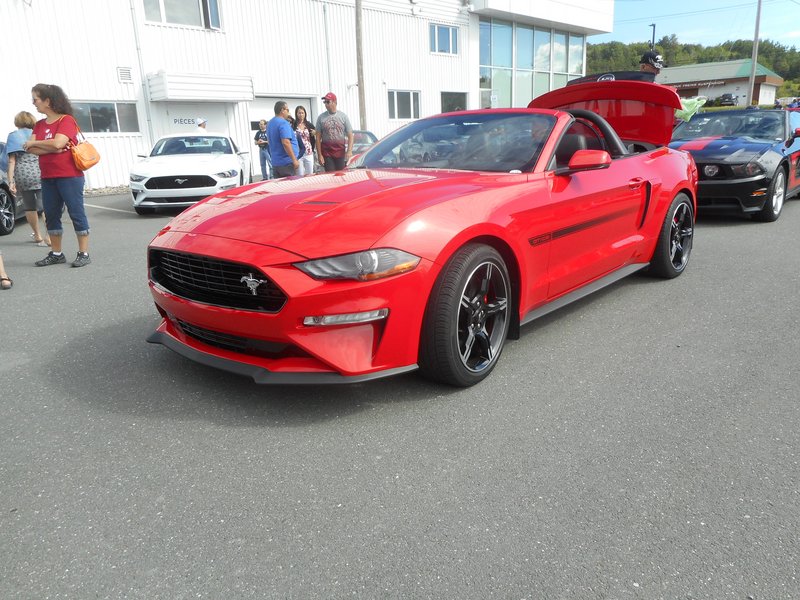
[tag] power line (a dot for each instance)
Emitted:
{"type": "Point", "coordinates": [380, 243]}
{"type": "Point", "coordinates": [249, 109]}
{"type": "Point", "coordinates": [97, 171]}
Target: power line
{"type": "Point", "coordinates": [696, 12]}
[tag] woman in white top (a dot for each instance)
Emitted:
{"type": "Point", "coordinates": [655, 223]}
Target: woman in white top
{"type": "Point", "coordinates": [305, 135]}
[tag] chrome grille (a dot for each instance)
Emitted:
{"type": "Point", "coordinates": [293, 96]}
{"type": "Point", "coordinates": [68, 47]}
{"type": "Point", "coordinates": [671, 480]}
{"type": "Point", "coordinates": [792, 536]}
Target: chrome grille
{"type": "Point", "coordinates": [213, 281]}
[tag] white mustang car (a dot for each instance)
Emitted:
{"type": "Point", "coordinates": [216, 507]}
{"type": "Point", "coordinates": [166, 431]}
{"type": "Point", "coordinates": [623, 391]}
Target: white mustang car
{"type": "Point", "coordinates": [184, 168]}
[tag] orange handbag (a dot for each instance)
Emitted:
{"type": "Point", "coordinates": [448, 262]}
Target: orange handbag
{"type": "Point", "coordinates": [84, 154]}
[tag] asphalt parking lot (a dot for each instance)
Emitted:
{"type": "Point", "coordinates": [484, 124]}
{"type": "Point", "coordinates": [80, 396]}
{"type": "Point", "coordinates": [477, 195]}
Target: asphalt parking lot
{"type": "Point", "coordinates": [641, 443]}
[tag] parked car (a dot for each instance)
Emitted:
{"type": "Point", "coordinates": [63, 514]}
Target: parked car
{"type": "Point", "coordinates": [185, 168]}
{"type": "Point", "coordinates": [363, 140]}
{"type": "Point", "coordinates": [383, 269]}
{"type": "Point", "coordinates": [11, 207]}
{"type": "Point", "coordinates": [747, 159]}
{"type": "Point", "coordinates": [728, 100]}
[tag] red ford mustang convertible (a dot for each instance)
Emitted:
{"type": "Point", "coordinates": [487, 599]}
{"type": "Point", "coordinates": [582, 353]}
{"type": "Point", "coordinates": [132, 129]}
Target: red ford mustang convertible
{"type": "Point", "coordinates": [429, 258]}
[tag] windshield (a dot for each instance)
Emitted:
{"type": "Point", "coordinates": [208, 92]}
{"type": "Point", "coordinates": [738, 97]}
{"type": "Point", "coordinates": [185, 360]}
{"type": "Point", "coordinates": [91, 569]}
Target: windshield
{"type": "Point", "coordinates": [752, 123]}
{"type": "Point", "coordinates": [496, 141]}
{"type": "Point", "coordinates": [192, 144]}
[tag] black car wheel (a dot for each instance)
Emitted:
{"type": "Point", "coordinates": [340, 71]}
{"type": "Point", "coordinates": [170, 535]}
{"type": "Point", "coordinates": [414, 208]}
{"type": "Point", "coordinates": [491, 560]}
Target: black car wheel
{"type": "Point", "coordinates": [675, 241]}
{"type": "Point", "coordinates": [467, 318]}
{"type": "Point", "coordinates": [8, 212]}
{"type": "Point", "coordinates": [775, 198]}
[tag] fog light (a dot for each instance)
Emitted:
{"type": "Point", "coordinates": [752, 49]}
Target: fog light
{"type": "Point", "coordinates": [711, 170]}
{"type": "Point", "coordinates": [347, 318]}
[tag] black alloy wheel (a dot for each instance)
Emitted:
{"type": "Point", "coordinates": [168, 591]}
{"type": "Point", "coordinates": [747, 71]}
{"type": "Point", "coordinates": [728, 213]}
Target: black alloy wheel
{"type": "Point", "coordinates": [675, 241]}
{"type": "Point", "coordinates": [8, 212]}
{"type": "Point", "coordinates": [467, 319]}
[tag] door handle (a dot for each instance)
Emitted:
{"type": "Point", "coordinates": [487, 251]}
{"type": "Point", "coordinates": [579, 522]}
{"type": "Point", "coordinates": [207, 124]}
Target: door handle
{"type": "Point", "coordinates": [635, 183]}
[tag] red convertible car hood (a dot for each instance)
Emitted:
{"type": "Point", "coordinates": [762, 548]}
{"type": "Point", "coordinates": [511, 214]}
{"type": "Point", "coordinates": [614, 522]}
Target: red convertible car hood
{"type": "Point", "coordinates": [327, 214]}
{"type": "Point", "coordinates": [638, 111]}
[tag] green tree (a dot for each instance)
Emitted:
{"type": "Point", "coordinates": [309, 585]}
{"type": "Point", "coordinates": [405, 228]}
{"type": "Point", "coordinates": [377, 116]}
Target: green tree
{"type": "Point", "coordinates": [616, 56]}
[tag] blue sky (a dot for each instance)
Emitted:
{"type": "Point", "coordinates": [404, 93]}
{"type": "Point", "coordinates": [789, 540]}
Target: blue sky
{"type": "Point", "coordinates": [706, 22]}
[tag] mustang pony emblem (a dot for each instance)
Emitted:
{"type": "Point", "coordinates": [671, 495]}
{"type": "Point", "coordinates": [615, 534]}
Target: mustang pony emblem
{"type": "Point", "coordinates": [252, 283]}
{"type": "Point", "coordinates": [180, 181]}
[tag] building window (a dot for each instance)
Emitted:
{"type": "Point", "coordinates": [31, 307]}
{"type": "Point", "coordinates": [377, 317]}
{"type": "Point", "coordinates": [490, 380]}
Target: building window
{"type": "Point", "coordinates": [452, 101]}
{"type": "Point", "coordinates": [403, 105]}
{"type": "Point", "coordinates": [519, 62]}
{"type": "Point", "coordinates": [560, 52]}
{"type": "Point", "coordinates": [444, 39]}
{"type": "Point", "coordinates": [195, 13]}
{"type": "Point", "coordinates": [575, 54]}
{"type": "Point", "coordinates": [106, 117]}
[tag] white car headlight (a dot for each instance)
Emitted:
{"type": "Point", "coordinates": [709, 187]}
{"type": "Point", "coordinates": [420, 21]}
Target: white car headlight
{"type": "Point", "coordinates": [362, 266]}
{"type": "Point", "coordinates": [137, 178]}
{"type": "Point", "coordinates": [228, 174]}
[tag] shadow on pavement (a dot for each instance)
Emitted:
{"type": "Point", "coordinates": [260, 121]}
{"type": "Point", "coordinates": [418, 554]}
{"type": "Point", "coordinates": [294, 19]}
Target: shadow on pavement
{"type": "Point", "coordinates": [111, 378]}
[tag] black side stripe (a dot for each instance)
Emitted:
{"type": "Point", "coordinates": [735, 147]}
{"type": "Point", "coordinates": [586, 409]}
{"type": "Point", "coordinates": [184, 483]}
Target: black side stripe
{"type": "Point", "coordinates": [546, 237]}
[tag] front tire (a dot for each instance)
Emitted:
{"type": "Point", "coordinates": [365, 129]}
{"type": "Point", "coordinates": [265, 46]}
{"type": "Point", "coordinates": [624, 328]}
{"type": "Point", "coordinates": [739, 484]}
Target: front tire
{"type": "Point", "coordinates": [675, 241]}
{"type": "Point", "coordinates": [467, 318]}
{"type": "Point", "coordinates": [8, 212]}
{"type": "Point", "coordinates": [776, 195]}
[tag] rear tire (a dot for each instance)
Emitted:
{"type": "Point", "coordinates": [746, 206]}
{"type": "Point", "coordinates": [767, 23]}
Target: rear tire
{"type": "Point", "coordinates": [467, 318]}
{"type": "Point", "coordinates": [675, 241]}
{"type": "Point", "coordinates": [776, 196]}
{"type": "Point", "coordinates": [144, 210]}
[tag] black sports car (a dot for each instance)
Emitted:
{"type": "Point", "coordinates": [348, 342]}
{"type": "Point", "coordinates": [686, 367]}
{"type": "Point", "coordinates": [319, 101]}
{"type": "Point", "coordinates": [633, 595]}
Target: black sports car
{"type": "Point", "coordinates": [749, 160]}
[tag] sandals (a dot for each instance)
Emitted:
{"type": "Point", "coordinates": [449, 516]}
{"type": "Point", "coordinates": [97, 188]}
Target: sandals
{"type": "Point", "coordinates": [6, 283]}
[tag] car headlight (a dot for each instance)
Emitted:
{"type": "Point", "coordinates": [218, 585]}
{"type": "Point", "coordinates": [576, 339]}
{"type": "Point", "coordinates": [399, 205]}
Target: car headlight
{"type": "Point", "coordinates": [751, 169]}
{"type": "Point", "coordinates": [362, 266]}
{"type": "Point", "coordinates": [137, 178]}
{"type": "Point", "coordinates": [228, 174]}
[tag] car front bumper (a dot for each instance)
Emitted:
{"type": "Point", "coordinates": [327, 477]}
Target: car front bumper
{"type": "Point", "coordinates": [276, 347]}
{"type": "Point", "coordinates": [153, 198]}
{"type": "Point", "coordinates": [743, 195]}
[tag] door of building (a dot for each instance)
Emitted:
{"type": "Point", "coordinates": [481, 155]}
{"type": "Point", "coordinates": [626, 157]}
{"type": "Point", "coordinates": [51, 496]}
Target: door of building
{"type": "Point", "coordinates": [263, 107]}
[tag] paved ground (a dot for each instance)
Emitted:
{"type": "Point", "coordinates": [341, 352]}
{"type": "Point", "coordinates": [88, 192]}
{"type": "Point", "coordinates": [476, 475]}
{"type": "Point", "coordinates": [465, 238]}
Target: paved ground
{"type": "Point", "coordinates": [642, 443]}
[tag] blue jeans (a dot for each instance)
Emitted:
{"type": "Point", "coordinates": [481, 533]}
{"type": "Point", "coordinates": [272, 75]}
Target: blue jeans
{"type": "Point", "coordinates": [64, 191]}
{"type": "Point", "coordinates": [263, 155]}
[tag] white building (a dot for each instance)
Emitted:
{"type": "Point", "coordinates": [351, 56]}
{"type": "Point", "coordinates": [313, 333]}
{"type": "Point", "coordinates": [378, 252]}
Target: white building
{"type": "Point", "coordinates": [138, 69]}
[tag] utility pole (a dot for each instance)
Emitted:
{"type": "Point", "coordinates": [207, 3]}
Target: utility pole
{"type": "Point", "coordinates": [653, 42]}
{"type": "Point", "coordinates": [362, 103]}
{"type": "Point", "coordinates": [752, 83]}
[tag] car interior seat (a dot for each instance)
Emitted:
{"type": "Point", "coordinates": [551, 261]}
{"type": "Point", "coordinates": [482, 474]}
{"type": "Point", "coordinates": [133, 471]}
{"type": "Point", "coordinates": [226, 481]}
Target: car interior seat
{"type": "Point", "coordinates": [217, 146]}
{"type": "Point", "coordinates": [174, 147]}
{"type": "Point", "coordinates": [567, 147]}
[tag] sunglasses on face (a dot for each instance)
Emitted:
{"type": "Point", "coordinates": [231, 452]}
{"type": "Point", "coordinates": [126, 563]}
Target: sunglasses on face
{"type": "Point", "coordinates": [326, 101]}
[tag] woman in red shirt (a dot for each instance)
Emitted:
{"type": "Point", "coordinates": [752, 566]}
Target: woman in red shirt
{"type": "Point", "coordinates": [62, 181]}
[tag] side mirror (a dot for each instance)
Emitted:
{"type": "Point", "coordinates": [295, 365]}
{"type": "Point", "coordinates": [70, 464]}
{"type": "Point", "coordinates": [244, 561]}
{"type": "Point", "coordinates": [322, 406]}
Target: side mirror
{"type": "Point", "coordinates": [586, 160]}
{"type": "Point", "coordinates": [796, 133]}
